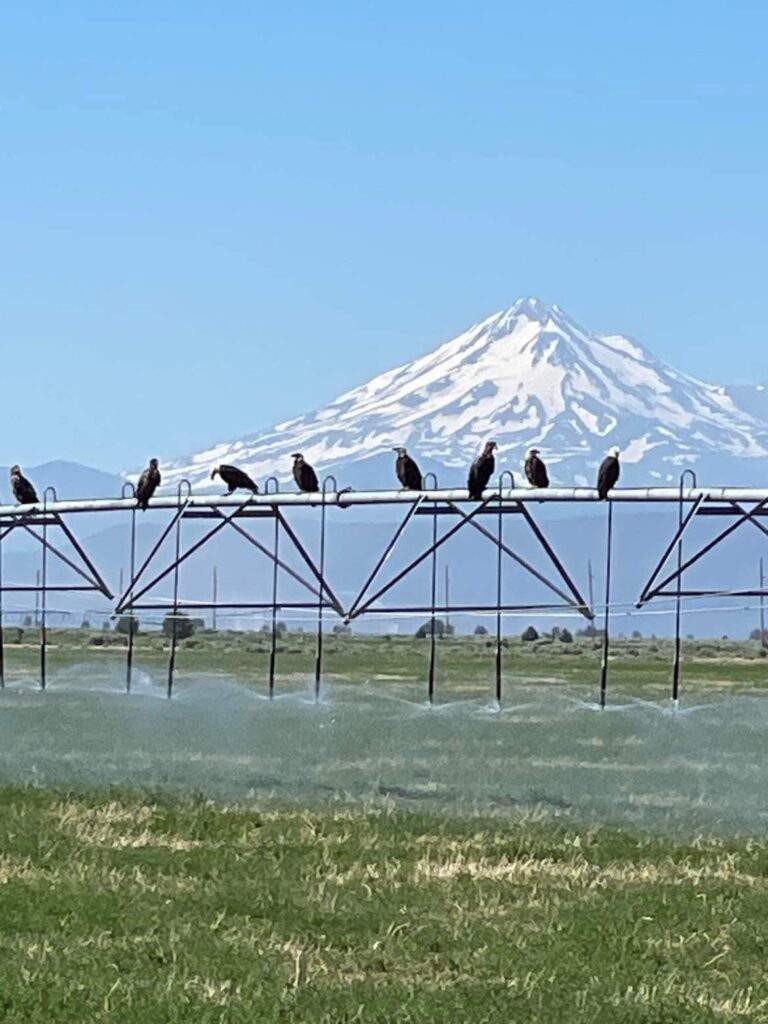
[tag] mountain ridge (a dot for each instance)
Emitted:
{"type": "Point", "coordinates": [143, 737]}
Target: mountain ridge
{"type": "Point", "coordinates": [68, 479]}
{"type": "Point", "coordinates": [526, 375]}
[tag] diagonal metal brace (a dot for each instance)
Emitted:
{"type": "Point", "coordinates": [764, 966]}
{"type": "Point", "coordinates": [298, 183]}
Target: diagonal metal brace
{"type": "Point", "coordinates": [196, 546]}
{"type": "Point", "coordinates": [424, 555]}
{"type": "Point", "coordinates": [67, 561]}
{"type": "Point", "coordinates": [746, 517]}
{"type": "Point", "coordinates": [270, 555]}
{"type": "Point", "coordinates": [682, 527]}
{"type": "Point", "coordinates": [92, 576]}
{"type": "Point", "coordinates": [19, 522]}
{"type": "Point", "coordinates": [98, 579]}
{"type": "Point", "coordinates": [755, 521]}
{"type": "Point", "coordinates": [412, 511]}
{"type": "Point", "coordinates": [564, 574]}
{"type": "Point", "coordinates": [226, 521]}
{"type": "Point", "coordinates": [121, 604]}
{"type": "Point", "coordinates": [320, 577]}
{"type": "Point", "coordinates": [580, 604]}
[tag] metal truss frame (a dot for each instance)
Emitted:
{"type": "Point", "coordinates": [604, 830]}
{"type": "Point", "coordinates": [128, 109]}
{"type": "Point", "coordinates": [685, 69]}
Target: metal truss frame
{"type": "Point", "coordinates": [496, 506]}
{"type": "Point", "coordinates": [321, 594]}
{"type": "Point", "coordinates": [702, 504]}
{"type": "Point", "coordinates": [487, 517]}
{"type": "Point", "coordinates": [47, 520]}
{"type": "Point", "coordinates": [134, 598]}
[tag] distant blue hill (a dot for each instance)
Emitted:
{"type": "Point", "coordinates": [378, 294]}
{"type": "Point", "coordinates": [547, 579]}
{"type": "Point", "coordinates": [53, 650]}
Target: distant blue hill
{"type": "Point", "coordinates": [70, 479]}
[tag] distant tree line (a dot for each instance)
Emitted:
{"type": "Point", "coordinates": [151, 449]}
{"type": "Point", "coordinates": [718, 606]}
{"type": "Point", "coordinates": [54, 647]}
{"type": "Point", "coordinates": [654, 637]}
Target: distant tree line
{"type": "Point", "coordinates": [530, 633]}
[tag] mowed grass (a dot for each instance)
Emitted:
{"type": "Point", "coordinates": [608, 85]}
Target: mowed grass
{"type": "Point", "coordinates": [120, 907]}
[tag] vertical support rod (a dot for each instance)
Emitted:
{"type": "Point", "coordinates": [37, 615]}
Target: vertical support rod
{"type": "Point", "coordinates": [678, 605]}
{"type": "Point", "coordinates": [44, 602]}
{"type": "Point", "coordinates": [678, 589]}
{"type": "Point", "coordinates": [2, 635]}
{"type": "Point", "coordinates": [320, 600]}
{"type": "Point", "coordinates": [131, 620]}
{"type": "Point", "coordinates": [273, 648]}
{"type": "Point", "coordinates": [762, 604]}
{"type": "Point", "coordinates": [499, 552]}
{"type": "Point", "coordinates": [433, 603]}
{"type": "Point", "coordinates": [607, 618]}
{"type": "Point", "coordinates": [174, 629]}
{"type": "Point", "coordinates": [215, 597]}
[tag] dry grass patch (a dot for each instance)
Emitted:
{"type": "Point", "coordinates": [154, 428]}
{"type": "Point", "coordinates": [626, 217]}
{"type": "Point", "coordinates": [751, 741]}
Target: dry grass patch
{"type": "Point", "coordinates": [579, 872]}
{"type": "Point", "coordinates": [117, 826]}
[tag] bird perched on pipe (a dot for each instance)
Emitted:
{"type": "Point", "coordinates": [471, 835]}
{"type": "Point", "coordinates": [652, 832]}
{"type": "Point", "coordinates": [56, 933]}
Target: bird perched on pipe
{"type": "Point", "coordinates": [608, 474]}
{"type": "Point", "coordinates": [148, 483]}
{"type": "Point", "coordinates": [535, 470]}
{"type": "Point", "coordinates": [481, 471]}
{"type": "Point", "coordinates": [23, 491]}
{"type": "Point", "coordinates": [408, 473]}
{"type": "Point", "coordinates": [304, 475]}
{"type": "Point", "coordinates": [235, 479]}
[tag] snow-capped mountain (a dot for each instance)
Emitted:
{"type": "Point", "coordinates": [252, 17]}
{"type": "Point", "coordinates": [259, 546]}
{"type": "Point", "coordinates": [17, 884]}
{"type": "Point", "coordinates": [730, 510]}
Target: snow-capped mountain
{"type": "Point", "coordinates": [753, 398]}
{"type": "Point", "coordinates": [529, 375]}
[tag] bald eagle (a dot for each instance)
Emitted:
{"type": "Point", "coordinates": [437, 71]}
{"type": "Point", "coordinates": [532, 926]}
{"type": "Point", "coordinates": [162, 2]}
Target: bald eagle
{"type": "Point", "coordinates": [234, 478]}
{"type": "Point", "coordinates": [23, 491]}
{"type": "Point", "coordinates": [535, 470]}
{"type": "Point", "coordinates": [608, 475]}
{"type": "Point", "coordinates": [148, 483]}
{"type": "Point", "coordinates": [408, 473]}
{"type": "Point", "coordinates": [304, 475]}
{"type": "Point", "coordinates": [481, 471]}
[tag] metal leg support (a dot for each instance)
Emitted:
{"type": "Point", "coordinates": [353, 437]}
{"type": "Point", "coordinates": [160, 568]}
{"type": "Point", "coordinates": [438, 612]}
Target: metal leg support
{"type": "Point", "coordinates": [44, 605]}
{"type": "Point", "coordinates": [499, 553]}
{"type": "Point", "coordinates": [320, 603]}
{"type": "Point", "coordinates": [2, 635]}
{"type": "Point", "coordinates": [607, 618]}
{"type": "Point", "coordinates": [131, 630]}
{"type": "Point", "coordinates": [273, 648]}
{"type": "Point", "coordinates": [433, 602]}
{"type": "Point", "coordinates": [175, 626]}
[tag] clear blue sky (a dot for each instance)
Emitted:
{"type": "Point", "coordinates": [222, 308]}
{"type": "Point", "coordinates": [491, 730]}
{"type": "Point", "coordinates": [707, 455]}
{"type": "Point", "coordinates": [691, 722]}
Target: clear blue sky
{"type": "Point", "coordinates": [217, 215]}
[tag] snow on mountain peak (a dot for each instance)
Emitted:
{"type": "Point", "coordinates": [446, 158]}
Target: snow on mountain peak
{"type": "Point", "coordinates": [533, 308]}
{"type": "Point", "coordinates": [528, 375]}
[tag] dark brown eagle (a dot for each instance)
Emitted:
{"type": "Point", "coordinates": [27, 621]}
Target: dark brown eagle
{"type": "Point", "coordinates": [481, 471]}
{"type": "Point", "coordinates": [608, 474]}
{"type": "Point", "coordinates": [304, 475]}
{"type": "Point", "coordinates": [408, 473]}
{"type": "Point", "coordinates": [23, 491]}
{"type": "Point", "coordinates": [148, 483]}
{"type": "Point", "coordinates": [535, 470]}
{"type": "Point", "coordinates": [235, 479]}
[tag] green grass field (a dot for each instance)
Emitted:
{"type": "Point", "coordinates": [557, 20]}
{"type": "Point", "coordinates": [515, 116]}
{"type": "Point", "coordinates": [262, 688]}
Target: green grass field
{"type": "Point", "coordinates": [464, 662]}
{"type": "Point", "coordinates": [371, 859]}
{"type": "Point", "coordinates": [121, 908]}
